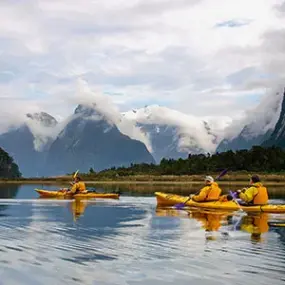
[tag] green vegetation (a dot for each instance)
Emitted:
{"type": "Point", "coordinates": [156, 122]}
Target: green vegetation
{"type": "Point", "coordinates": [257, 159]}
{"type": "Point", "coordinates": [268, 162]}
{"type": "Point", "coordinates": [8, 168]}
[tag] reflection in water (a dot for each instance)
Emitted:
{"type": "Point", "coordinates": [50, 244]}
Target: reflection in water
{"type": "Point", "coordinates": [78, 207]}
{"type": "Point", "coordinates": [138, 189]}
{"type": "Point", "coordinates": [8, 191]}
{"type": "Point", "coordinates": [254, 223]}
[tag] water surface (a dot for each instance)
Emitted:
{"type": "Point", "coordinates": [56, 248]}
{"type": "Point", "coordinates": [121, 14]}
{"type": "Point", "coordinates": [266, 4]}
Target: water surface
{"type": "Point", "coordinates": [130, 241]}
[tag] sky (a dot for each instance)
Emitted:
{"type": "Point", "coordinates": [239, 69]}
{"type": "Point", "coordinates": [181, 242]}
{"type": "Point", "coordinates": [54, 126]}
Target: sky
{"type": "Point", "coordinates": [200, 57]}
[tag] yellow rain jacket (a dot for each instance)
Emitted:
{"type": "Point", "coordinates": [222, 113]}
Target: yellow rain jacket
{"type": "Point", "coordinates": [256, 194]}
{"type": "Point", "coordinates": [210, 192]}
{"type": "Point", "coordinates": [78, 187]}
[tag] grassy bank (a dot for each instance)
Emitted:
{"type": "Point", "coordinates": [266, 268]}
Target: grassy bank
{"type": "Point", "coordinates": [236, 178]}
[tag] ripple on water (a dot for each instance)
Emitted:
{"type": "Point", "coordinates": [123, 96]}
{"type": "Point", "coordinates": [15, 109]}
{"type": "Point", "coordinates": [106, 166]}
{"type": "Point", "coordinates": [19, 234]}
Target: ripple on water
{"type": "Point", "coordinates": [127, 243]}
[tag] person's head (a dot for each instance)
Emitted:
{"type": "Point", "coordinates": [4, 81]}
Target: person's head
{"type": "Point", "coordinates": [77, 179]}
{"type": "Point", "coordinates": [254, 179]}
{"type": "Point", "coordinates": [209, 180]}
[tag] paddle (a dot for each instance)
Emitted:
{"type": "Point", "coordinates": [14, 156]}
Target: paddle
{"type": "Point", "coordinates": [75, 174]}
{"type": "Point", "coordinates": [235, 200]}
{"type": "Point", "coordinates": [181, 205]}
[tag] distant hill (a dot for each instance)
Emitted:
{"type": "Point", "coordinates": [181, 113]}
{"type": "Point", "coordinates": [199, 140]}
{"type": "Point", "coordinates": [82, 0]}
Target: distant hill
{"type": "Point", "coordinates": [8, 168]}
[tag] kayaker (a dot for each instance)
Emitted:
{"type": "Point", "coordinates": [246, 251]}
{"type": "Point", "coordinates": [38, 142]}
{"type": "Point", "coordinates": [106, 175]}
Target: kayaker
{"type": "Point", "coordinates": [78, 186]}
{"type": "Point", "coordinates": [256, 194]}
{"type": "Point", "coordinates": [210, 192]}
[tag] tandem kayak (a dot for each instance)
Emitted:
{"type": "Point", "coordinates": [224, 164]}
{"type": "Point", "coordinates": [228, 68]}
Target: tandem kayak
{"type": "Point", "coordinates": [168, 200]}
{"type": "Point", "coordinates": [64, 195]}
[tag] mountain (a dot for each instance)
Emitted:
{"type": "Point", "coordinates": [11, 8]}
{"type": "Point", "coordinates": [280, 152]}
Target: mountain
{"type": "Point", "coordinates": [255, 127]}
{"type": "Point", "coordinates": [8, 168]}
{"type": "Point", "coordinates": [29, 142]}
{"type": "Point", "coordinates": [173, 134]}
{"type": "Point", "coordinates": [91, 139]}
{"type": "Point", "coordinates": [277, 136]}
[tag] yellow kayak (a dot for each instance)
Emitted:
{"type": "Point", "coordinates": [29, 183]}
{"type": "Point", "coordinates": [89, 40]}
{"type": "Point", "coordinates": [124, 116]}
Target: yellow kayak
{"type": "Point", "coordinates": [168, 200]}
{"type": "Point", "coordinates": [63, 195]}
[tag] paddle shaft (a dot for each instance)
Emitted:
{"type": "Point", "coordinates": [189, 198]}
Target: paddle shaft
{"type": "Point", "coordinates": [231, 193]}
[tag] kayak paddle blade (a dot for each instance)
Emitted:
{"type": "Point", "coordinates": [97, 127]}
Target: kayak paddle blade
{"type": "Point", "coordinates": [179, 206]}
{"type": "Point", "coordinates": [75, 174]}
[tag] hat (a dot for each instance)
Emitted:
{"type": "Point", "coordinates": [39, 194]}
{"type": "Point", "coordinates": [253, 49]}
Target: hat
{"type": "Point", "coordinates": [209, 178]}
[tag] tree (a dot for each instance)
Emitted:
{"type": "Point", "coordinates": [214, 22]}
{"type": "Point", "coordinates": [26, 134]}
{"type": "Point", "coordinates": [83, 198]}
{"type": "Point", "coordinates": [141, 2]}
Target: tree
{"type": "Point", "coordinates": [91, 171]}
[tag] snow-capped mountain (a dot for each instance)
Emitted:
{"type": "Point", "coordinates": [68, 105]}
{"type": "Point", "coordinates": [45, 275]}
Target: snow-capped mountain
{"type": "Point", "coordinates": [97, 135]}
{"type": "Point", "coordinates": [173, 134]}
{"type": "Point", "coordinates": [255, 127]}
{"type": "Point", "coordinates": [91, 139]}
{"type": "Point", "coordinates": [28, 143]}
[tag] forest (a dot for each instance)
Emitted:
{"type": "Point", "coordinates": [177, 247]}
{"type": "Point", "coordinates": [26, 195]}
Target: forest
{"type": "Point", "coordinates": [256, 159]}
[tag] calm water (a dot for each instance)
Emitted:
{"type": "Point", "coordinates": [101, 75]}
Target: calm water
{"type": "Point", "coordinates": [129, 241]}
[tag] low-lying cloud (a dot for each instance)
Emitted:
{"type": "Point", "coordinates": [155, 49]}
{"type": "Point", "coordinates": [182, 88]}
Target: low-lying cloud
{"type": "Point", "coordinates": [173, 53]}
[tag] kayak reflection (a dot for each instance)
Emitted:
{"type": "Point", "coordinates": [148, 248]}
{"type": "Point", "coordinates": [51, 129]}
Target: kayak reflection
{"type": "Point", "coordinates": [255, 224]}
{"type": "Point", "coordinates": [77, 208]}
{"type": "Point", "coordinates": [211, 221]}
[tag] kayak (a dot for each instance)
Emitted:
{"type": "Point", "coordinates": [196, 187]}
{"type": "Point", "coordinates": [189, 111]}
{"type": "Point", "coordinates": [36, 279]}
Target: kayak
{"type": "Point", "coordinates": [87, 195]}
{"type": "Point", "coordinates": [169, 200]}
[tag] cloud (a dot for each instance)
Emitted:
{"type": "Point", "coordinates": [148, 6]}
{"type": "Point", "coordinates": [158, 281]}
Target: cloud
{"type": "Point", "coordinates": [233, 23]}
{"type": "Point", "coordinates": [259, 119]}
{"type": "Point", "coordinates": [191, 131]}
{"type": "Point", "coordinates": [140, 52]}
{"type": "Point", "coordinates": [105, 107]}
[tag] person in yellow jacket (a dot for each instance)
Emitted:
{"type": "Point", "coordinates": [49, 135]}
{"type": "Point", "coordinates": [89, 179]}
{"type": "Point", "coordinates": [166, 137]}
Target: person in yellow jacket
{"type": "Point", "coordinates": [78, 186]}
{"type": "Point", "coordinates": [210, 192]}
{"type": "Point", "coordinates": [256, 194]}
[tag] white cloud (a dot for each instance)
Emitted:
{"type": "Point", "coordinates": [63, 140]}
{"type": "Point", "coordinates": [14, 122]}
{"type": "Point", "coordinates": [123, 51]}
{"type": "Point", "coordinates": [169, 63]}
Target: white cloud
{"type": "Point", "coordinates": [105, 107]}
{"type": "Point", "coordinates": [192, 56]}
{"type": "Point", "coordinates": [259, 119]}
{"type": "Point", "coordinates": [191, 130]}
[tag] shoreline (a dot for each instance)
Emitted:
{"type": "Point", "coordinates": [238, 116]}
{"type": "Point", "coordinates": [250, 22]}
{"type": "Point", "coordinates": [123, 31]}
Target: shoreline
{"type": "Point", "coordinates": [132, 182]}
{"type": "Point", "coordinates": [237, 178]}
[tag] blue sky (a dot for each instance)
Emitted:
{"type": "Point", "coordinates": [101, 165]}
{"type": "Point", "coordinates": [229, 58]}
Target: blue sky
{"type": "Point", "coordinates": [189, 55]}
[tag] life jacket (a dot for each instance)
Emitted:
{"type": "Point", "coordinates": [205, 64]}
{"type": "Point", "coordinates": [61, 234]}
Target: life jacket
{"type": "Point", "coordinates": [80, 187]}
{"type": "Point", "coordinates": [261, 197]}
{"type": "Point", "coordinates": [214, 192]}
